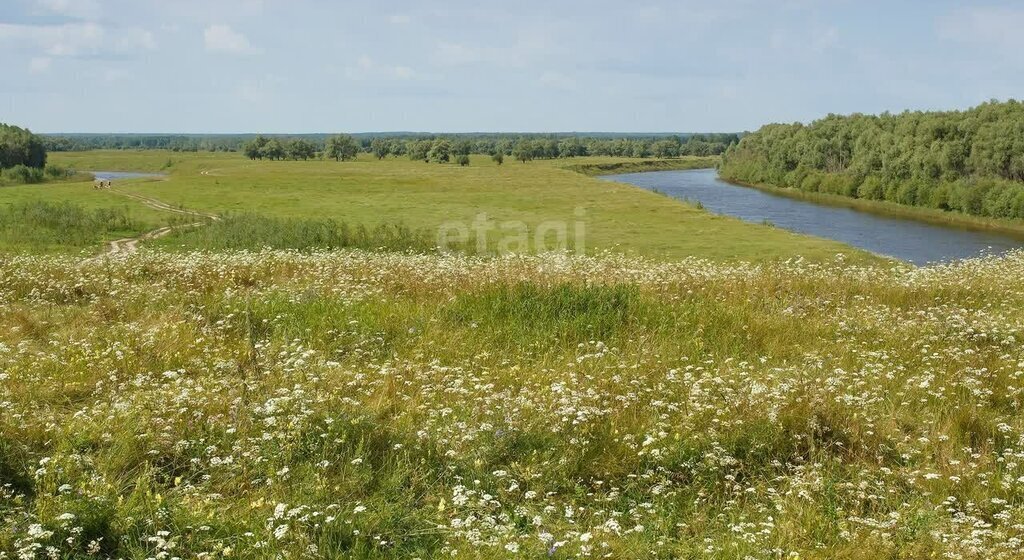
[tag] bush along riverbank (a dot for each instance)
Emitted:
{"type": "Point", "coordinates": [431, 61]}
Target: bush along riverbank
{"type": "Point", "coordinates": [645, 165]}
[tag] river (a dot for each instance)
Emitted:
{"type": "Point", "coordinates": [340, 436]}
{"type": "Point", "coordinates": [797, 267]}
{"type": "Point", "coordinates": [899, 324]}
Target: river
{"type": "Point", "coordinates": [909, 240]}
{"type": "Point", "coordinates": [112, 175]}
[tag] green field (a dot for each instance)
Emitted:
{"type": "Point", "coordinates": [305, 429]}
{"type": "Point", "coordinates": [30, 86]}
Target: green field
{"type": "Point", "coordinates": [383, 405]}
{"type": "Point", "coordinates": [689, 388]}
{"type": "Point", "coordinates": [418, 195]}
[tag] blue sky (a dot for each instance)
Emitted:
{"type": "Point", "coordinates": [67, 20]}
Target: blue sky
{"type": "Point", "coordinates": [319, 66]}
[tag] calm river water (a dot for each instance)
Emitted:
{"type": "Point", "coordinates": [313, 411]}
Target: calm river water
{"type": "Point", "coordinates": [111, 175]}
{"type": "Point", "coordinates": [909, 240]}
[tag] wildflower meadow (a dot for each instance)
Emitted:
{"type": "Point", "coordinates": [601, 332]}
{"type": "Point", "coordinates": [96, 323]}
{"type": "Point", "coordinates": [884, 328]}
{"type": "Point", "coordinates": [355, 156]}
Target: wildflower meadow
{"type": "Point", "coordinates": [353, 404]}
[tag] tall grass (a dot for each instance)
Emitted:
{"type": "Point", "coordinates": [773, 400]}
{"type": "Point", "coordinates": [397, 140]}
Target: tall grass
{"type": "Point", "coordinates": [255, 231]}
{"type": "Point", "coordinates": [357, 404]}
{"type": "Point", "coordinates": [24, 175]}
{"type": "Point", "coordinates": [567, 312]}
{"type": "Point", "coordinates": [681, 164]}
{"type": "Point", "coordinates": [53, 225]}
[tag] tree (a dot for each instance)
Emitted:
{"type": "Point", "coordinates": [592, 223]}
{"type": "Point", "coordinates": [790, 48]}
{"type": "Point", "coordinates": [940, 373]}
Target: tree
{"type": "Point", "coordinates": [666, 148]}
{"type": "Point", "coordinates": [18, 146]}
{"type": "Point", "coordinates": [462, 159]}
{"type": "Point", "coordinates": [571, 147]}
{"type": "Point", "coordinates": [396, 148]}
{"type": "Point", "coordinates": [462, 147]}
{"type": "Point", "coordinates": [274, 150]}
{"type": "Point", "coordinates": [498, 158]}
{"type": "Point", "coordinates": [253, 149]}
{"type": "Point", "coordinates": [968, 161]}
{"type": "Point", "coordinates": [523, 150]}
{"type": "Point", "coordinates": [380, 147]}
{"type": "Point", "coordinates": [341, 148]}
{"type": "Point", "coordinates": [419, 150]}
{"type": "Point", "coordinates": [299, 148]}
{"type": "Point", "coordinates": [441, 151]}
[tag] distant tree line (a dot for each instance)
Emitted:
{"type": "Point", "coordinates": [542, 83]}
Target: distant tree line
{"type": "Point", "coordinates": [523, 147]}
{"type": "Point", "coordinates": [967, 161]}
{"type": "Point", "coordinates": [526, 148]}
{"type": "Point", "coordinates": [175, 142]}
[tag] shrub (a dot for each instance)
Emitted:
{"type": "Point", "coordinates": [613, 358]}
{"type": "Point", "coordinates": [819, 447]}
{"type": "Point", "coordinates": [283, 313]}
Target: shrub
{"type": "Point", "coordinates": [871, 188]}
{"type": "Point", "coordinates": [58, 172]}
{"type": "Point", "coordinates": [907, 192]}
{"type": "Point", "coordinates": [255, 231]}
{"type": "Point", "coordinates": [23, 174]}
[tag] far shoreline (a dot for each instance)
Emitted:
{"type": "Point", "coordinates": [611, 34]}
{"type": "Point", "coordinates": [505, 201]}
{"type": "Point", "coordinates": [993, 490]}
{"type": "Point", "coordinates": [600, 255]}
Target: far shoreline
{"type": "Point", "coordinates": [1014, 228]}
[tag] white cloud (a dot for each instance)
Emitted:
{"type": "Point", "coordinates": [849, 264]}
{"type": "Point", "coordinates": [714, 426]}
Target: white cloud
{"type": "Point", "coordinates": [75, 39]}
{"type": "Point", "coordinates": [365, 68]}
{"type": "Point", "coordinates": [557, 80]}
{"type": "Point", "coordinates": [72, 39]}
{"type": "Point", "coordinates": [984, 25]}
{"type": "Point", "coordinates": [252, 94]}
{"type": "Point", "coordinates": [81, 9]}
{"type": "Point", "coordinates": [221, 38]}
{"type": "Point", "coordinates": [403, 72]}
{"type": "Point", "coordinates": [261, 91]}
{"type": "Point", "coordinates": [114, 74]}
{"type": "Point", "coordinates": [39, 64]}
{"type": "Point", "coordinates": [456, 54]}
{"type": "Point", "coordinates": [529, 46]}
{"type": "Point", "coordinates": [134, 38]}
{"type": "Point", "coordinates": [811, 40]}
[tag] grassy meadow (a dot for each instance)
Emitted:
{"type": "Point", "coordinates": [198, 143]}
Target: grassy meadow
{"type": "Point", "coordinates": [692, 386]}
{"type": "Point", "coordinates": [355, 404]}
{"type": "Point", "coordinates": [424, 196]}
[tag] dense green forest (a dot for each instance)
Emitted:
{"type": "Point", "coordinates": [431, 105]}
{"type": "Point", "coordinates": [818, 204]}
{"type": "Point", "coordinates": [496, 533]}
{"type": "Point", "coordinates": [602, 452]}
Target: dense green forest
{"type": "Point", "coordinates": [23, 158]}
{"type": "Point", "coordinates": [967, 161]}
{"type": "Point", "coordinates": [383, 144]}
{"type": "Point", "coordinates": [18, 146]}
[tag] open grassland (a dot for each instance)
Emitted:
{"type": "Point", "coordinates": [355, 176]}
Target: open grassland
{"type": "Point", "coordinates": [61, 227]}
{"type": "Point", "coordinates": [278, 404]}
{"type": "Point", "coordinates": [422, 196]}
{"type": "Point", "coordinates": [69, 218]}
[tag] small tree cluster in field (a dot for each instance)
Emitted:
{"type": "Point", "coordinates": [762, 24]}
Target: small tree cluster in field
{"type": "Point", "coordinates": [341, 148]}
{"type": "Point", "coordinates": [273, 149]}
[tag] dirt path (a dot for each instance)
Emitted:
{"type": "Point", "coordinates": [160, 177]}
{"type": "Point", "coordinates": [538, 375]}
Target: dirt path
{"type": "Point", "coordinates": [160, 205]}
{"type": "Point", "coordinates": [129, 245]}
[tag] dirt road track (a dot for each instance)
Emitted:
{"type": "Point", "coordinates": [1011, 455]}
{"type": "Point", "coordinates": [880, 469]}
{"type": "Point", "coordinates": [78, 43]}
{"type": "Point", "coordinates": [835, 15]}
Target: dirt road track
{"type": "Point", "coordinates": [128, 245]}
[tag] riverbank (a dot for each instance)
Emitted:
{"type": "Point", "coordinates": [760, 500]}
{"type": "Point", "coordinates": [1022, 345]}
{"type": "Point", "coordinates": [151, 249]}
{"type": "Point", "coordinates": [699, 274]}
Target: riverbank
{"type": "Point", "coordinates": [906, 239]}
{"type": "Point", "coordinates": [891, 209]}
{"type": "Point", "coordinates": [677, 164]}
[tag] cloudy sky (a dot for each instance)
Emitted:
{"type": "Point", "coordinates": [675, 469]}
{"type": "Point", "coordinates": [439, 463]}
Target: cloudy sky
{"type": "Point", "coordinates": [326, 66]}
